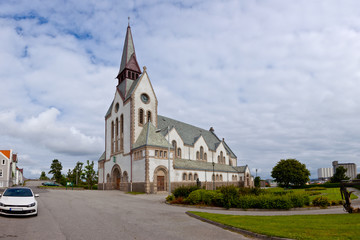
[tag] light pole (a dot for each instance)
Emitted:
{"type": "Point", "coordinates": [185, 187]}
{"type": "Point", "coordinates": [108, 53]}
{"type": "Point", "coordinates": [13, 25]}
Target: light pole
{"type": "Point", "coordinates": [168, 130]}
{"type": "Point", "coordinates": [213, 175]}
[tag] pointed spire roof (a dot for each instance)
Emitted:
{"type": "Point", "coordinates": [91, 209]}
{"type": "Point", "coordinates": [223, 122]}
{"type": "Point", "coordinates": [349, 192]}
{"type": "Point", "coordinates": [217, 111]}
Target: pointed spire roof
{"type": "Point", "coordinates": [128, 59]}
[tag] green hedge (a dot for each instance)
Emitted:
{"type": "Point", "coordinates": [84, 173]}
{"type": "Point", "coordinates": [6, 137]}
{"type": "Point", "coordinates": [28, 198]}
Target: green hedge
{"type": "Point", "coordinates": [184, 191]}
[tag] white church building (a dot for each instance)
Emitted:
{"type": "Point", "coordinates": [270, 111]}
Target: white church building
{"type": "Point", "coordinates": [142, 148]}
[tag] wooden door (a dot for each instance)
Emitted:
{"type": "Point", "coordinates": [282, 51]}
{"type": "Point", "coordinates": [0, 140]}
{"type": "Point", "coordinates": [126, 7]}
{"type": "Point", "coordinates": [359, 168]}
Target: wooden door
{"type": "Point", "coordinates": [160, 183]}
{"type": "Point", "coordinates": [118, 183]}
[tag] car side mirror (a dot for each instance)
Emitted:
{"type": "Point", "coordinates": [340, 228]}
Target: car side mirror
{"type": "Point", "coordinates": [37, 195]}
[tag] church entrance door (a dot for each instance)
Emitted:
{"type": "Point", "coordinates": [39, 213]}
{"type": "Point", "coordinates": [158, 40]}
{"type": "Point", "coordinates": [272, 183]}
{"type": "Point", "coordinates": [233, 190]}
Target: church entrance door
{"type": "Point", "coordinates": [116, 178]}
{"type": "Point", "coordinates": [160, 183]}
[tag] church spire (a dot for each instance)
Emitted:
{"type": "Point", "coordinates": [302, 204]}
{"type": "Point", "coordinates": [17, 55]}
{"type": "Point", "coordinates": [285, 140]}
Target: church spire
{"type": "Point", "coordinates": [129, 67]}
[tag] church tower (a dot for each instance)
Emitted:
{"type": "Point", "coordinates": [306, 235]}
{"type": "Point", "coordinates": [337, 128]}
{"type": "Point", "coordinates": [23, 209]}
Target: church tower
{"type": "Point", "coordinates": [129, 68]}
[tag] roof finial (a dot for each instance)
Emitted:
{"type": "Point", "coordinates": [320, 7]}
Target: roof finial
{"type": "Point", "coordinates": [128, 21]}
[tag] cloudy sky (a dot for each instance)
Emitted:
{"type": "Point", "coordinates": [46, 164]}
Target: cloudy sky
{"type": "Point", "coordinates": [277, 79]}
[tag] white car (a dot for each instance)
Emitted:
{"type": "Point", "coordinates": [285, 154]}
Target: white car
{"type": "Point", "coordinates": [18, 201]}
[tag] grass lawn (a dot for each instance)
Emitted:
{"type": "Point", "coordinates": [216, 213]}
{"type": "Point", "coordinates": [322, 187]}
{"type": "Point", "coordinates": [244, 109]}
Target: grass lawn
{"type": "Point", "coordinates": [334, 226]}
{"type": "Point", "coordinates": [330, 193]}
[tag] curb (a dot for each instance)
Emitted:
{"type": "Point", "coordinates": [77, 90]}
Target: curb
{"type": "Point", "coordinates": [234, 229]}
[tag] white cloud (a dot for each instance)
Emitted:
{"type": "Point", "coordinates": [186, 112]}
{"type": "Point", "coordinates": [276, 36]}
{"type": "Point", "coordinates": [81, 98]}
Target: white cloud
{"type": "Point", "coordinates": [275, 79]}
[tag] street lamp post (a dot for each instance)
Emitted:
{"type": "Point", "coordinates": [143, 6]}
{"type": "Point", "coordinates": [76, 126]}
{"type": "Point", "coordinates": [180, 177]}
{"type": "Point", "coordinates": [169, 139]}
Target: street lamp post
{"type": "Point", "coordinates": [213, 175]}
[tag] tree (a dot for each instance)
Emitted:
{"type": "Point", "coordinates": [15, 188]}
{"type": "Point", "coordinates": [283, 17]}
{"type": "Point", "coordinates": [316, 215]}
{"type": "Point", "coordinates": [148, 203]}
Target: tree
{"type": "Point", "coordinates": [90, 176]}
{"type": "Point", "coordinates": [55, 169]}
{"type": "Point", "coordinates": [339, 175]}
{"type": "Point", "coordinates": [78, 172]}
{"type": "Point", "coordinates": [358, 176]}
{"type": "Point", "coordinates": [290, 172]}
{"type": "Point", "coordinates": [43, 176]}
{"type": "Point", "coordinates": [257, 181]}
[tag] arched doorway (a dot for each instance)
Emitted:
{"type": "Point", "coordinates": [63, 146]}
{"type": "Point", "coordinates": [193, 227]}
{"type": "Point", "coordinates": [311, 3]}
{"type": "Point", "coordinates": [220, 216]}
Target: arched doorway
{"type": "Point", "coordinates": [116, 177]}
{"type": "Point", "coordinates": [160, 179]}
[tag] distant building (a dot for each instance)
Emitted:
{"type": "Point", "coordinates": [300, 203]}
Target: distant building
{"type": "Point", "coordinates": [325, 173]}
{"type": "Point", "coordinates": [10, 174]}
{"type": "Point", "coordinates": [350, 167]}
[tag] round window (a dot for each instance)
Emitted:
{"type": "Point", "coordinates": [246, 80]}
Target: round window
{"type": "Point", "coordinates": [145, 98]}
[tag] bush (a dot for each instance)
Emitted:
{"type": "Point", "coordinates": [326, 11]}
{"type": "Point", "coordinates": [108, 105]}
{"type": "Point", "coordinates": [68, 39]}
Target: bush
{"type": "Point", "coordinates": [170, 198]}
{"type": "Point", "coordinates": [321, 201]}
{"type": "Point", "coordinates": [195, 197]}
{"type": "Point", "coordinates": [184, 191]}
{"type": "Point", "coordinates": [230, 196]}
{"type": "Point", "coordinates": [179, 200]}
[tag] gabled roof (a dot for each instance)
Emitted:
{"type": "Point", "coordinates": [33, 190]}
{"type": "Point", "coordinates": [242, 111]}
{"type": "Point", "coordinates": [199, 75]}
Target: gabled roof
{"type": "Point", "coordinates": [128, 59]}
{"type": "Point", "coordinates": [102, 157]}
{"type": "Point", "coordinates": [200, 165]}
{"type": "Point", "coordinates": [149, 137]}
{"type": "Point", "coordinates": [6, 153]}
{"type": "Point", "coordinates": [190, 134]}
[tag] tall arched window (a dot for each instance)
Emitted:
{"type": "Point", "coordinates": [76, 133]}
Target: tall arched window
{"type": "Point", "coordinates": [174, 144]}
{"type": "Point", "coordinates": [190, 176]}
{"type": "Point", "coordinates": [141, 116]}
{"type": "Point", "coordinates": [116, 135]}
{"type": "Point", "coordinates": [149, 116]}
{"type": "Point", "coordinates": [196, 176]}
{"type": "Point", "coordinates": [205, 156]}
{"type": "Point", "coordinates": [112, 136]}
{"type": "Point", "coordinates": [221, 158]}
{"type": "Point", "coordinates": [179, 152]}
{"type": "Point", "coordinates": [197, 155]}
{"type": "Point", "coordinates": [201, 153]}
{"type": "Point", "coordinates": [121, 132]}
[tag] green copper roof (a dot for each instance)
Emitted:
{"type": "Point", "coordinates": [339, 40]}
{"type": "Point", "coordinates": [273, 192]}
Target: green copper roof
{"type": "Point", "coordinates": [149, 137]}
{"type": "Point", "coordinates": [200, 165]}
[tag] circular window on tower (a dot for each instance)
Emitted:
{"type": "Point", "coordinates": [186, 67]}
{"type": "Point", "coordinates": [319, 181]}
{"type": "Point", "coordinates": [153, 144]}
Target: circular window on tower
{"type": "Point", "coordinates": [117, 107]}
{"type": "Point", "coordinates": [145, 98]}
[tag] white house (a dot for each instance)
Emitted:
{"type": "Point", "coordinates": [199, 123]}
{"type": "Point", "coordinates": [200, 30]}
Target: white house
{"type": "Point", "coordinates": [10, 174]}
{"type": "Point", "coordinates": [142, 148]}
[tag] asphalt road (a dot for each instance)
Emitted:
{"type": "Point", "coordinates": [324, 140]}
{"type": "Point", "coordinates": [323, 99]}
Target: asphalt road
{"type": "Point", "coordinates": [67, 214]}
{"type": "Point", "coordinates": [108, 215]}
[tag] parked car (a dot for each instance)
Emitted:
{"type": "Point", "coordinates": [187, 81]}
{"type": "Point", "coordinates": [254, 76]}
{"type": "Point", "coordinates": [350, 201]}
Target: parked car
{"type": "Point", "coordinates": [50, 184]}
{"type": "Point", "coordinates": [18, 201]}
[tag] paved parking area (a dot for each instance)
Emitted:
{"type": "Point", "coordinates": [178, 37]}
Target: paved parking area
{"type": "Point", "coordinates": [67, 214]}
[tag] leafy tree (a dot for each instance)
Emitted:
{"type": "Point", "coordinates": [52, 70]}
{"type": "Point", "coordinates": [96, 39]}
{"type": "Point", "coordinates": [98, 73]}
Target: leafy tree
{"type": "Point", "coordinates": [358, 176]}
{"type": "Point", "coordinates": [340, 174]}
{"type": "Point", "coordinates": [90, 176]}
{"type": "Point", "coordinates": [290, 172]}
{"type": "Point", "coordinates": [257, 181]}
{"type": "Point", "coordinates": [78, 172]}
{"type": "Point", "coordinates": [43, 176]}
{"type": "Point", "coordinates": [55, 169]}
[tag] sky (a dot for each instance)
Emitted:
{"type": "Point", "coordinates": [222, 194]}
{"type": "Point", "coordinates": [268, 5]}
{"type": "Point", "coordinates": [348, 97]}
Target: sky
{"type": "Point", "coordinates": [277, 79]}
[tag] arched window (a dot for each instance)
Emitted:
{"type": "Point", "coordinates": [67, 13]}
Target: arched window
{"type": "Point", "coordinates": [196, 176]}
{"type": "Point", "coordinates": [217, 177]}
{"type": "Point", "coordinates": [213, 177]}
{"type": "Point", "coordinates": [149, 116]}
{"type": "Point", "coordinates": [197, 155]}
{"type": "Point", "coordinates": [201, 153]}
{"type": "Point", "coordinates": [121, 132]}
{"type": "Point", "coordinates": [221, 177]}
{"type": "Point", "coordinates": [116, 135]}
{"type": "Point", "coordinates": [141, 116]}
{"type": "Point", "coordinates": [190, 176]}
{"type": "Point", "coordinates": [112, 136]}
{"type": "Point", "coordinates": [221, 159]}
{"type": "Point", "coordinates": [179, 152]}
{"type": "Point", "coordinates": [184, 176]}
{"type": "Point", "coordinates": [205, 156]}
{"type": "Point", "coordinates": [174, 146]}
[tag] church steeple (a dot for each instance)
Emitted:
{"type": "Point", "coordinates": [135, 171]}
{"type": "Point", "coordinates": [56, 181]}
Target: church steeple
{"type": "Point", "coordinates": [129, 67]}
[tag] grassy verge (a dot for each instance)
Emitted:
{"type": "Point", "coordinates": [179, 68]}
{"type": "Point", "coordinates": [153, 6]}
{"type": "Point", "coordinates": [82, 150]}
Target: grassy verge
{"type": "Point", "coordinates": [333, 194]}
{"type": "Point", "coordinates": [319, 227]}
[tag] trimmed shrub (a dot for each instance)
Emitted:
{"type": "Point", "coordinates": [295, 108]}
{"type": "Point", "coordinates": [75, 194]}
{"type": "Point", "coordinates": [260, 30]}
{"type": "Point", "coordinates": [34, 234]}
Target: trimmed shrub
{"type": "Point", "coordinates": [321, 201]}
{"type": "Point", "coordinates": [195, 197]}
{"type": "Point", "coordinates": [170, 198]}
{"type": "Point", "coordinates": [230, 196]}
{"type": "Point", "coordinates": [184, 191]}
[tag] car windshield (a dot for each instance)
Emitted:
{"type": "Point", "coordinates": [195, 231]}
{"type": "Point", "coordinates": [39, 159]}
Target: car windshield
{"type": "Point", "coordinates": [18, 192]}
